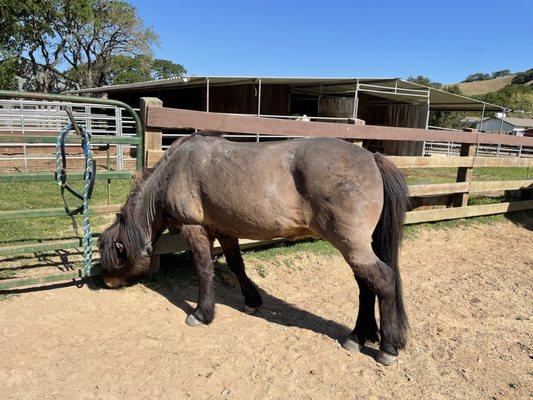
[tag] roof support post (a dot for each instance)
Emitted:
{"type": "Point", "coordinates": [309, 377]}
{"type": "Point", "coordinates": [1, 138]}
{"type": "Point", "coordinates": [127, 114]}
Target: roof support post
{"type": "Point", "coordinates": [259, 98]}
{"type": "Point", "coordinates": [482, 118]}
{"type": "Point", "coordinates": [319, 99]}
{"type": "Point", "coordinates": [427, 123]}
{"type": "Point", "coordinates": [207, 94]}
{"type": "Point", "coordinates": [501, 123]}
{"type": "Point", "coordinates": [356, 99]}
{"type": "Point", "coordinates": [427, 112]}
{"type": "Point", "coordinates": [501, 128]}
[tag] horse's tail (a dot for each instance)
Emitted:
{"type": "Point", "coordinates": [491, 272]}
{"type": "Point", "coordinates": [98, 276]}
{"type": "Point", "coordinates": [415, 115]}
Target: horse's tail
{"type": "Point", "coordinates": [387, 236]}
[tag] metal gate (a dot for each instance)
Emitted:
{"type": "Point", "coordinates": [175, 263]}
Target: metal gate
{"type": "Point", "coordinates": [40, 116]}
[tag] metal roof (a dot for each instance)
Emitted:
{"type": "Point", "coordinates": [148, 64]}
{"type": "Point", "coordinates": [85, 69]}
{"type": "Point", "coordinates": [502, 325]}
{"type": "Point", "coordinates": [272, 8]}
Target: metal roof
{"type": "Point", "coordinates": [383, 87]}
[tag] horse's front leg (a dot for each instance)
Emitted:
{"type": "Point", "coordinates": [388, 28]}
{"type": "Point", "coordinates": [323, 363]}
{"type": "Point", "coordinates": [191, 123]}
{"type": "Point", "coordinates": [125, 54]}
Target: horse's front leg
{"type": "Point", "coordinates": [200, 243]}
{"type": "Point", "coordinates": [232, 252]}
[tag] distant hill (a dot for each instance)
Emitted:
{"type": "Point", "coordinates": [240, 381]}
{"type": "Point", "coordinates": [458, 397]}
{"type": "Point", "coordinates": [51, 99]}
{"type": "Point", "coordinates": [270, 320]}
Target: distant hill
{"type": "Point", "coordinates": [483, 87]}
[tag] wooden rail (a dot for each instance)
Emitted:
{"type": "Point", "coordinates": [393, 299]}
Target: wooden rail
{"type": "Point", "coordinates": [156, 118]}
{"type": "Point", "coordinates": [175, 242]}
{"type": "Point", "coordinates": [419, 162]}
{"type": "Point", "coordinates": [173, 118]}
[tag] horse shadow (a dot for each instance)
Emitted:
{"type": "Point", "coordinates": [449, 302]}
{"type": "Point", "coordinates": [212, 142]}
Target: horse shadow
{"type": "Point", "coordinates": [176, 282]}
{"type": "Point", "coordinates": [521, 218]}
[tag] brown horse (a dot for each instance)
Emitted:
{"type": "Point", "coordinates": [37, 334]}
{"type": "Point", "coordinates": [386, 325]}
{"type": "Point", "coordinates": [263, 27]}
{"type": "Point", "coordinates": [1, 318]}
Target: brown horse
{"type": "Point", "coordinates": [209, 187]}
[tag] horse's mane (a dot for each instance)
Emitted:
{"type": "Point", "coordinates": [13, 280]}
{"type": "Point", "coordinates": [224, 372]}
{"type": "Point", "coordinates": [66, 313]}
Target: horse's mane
{"type": "Point", "coordinates": [141, 178]}
{"type": "Point", "coordinates": [127, 226]}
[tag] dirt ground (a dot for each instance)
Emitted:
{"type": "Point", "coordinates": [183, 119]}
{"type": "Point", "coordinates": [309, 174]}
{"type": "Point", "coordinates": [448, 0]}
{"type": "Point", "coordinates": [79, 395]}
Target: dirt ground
{"type": "Point", "coordinates": [468, 295]}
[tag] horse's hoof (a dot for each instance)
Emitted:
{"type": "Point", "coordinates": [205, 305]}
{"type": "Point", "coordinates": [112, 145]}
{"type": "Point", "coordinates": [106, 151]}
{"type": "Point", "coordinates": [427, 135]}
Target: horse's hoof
{"type": "Point", "coordinates": [351, 343]}
{"type": "Point", "coordinates": [249, 310]}
{"type": "Point", "coordinates": [386, 358]}
{"type": "Point", "coordinates": [192, 321]}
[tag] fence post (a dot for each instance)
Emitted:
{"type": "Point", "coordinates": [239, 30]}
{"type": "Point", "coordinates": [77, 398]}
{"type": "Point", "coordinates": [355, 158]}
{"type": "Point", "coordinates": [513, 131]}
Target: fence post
{"type": "Point", "coordinates": [464, 174]}
{"type": "Point", "coordinates": [152, 139]}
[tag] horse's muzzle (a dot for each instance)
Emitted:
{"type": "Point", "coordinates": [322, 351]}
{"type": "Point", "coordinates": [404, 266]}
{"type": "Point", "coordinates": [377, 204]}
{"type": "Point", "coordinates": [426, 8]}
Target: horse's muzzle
{"type": "Point", "coordinates": [114, 282]}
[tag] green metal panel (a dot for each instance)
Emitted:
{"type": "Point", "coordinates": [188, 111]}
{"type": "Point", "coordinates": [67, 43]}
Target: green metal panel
{"type": "Point", "coordinates": [78, 99]}
{"type": "Point", "coordinates": [95, 139]}
{"type": "Point", "coordinates": [49, 176]}
{"type": "Point", "coordinates": [7, 284]}
{"type": "Point", "coordinates": [54, 212]}
{"type": "Point", "coordinates": [40, 247]}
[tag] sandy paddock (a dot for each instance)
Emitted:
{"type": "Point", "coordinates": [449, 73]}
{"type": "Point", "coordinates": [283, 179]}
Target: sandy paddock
{"type": "Point", "coordinates": [468, 295]}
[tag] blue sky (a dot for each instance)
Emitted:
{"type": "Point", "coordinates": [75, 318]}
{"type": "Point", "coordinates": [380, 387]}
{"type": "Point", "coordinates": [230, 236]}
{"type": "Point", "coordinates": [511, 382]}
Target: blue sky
{"type": "Point", "coordinates": [445, 40]}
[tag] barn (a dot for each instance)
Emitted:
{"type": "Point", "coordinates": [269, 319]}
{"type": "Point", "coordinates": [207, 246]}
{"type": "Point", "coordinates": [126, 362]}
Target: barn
{"type": "Point", "coordinates": [376, 101]}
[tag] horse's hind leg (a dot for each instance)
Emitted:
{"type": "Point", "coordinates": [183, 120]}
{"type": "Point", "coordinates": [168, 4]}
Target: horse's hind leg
{"type": "Point", "coordinates": [356, 247]}
{"type": "Point", "coordinates": [366, 328]}
{"type": "Point", "coordinates": [200, 243]}
{"type": "Point", "coordinates": [381, 279]}
{"type": "Point", "coordinates": [232, 252]}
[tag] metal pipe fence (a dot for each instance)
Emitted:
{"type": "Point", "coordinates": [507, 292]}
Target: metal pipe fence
{"type": "Point", "coordinates": [41, 117]}
{"type": "Point", "coordinates": [488, 150]}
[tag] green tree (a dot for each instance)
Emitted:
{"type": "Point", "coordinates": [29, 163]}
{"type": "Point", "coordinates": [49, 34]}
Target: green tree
{"type": "Point", "coordinates": [163, 69]}
{"type": "Point", "coordinates": [142, 68]}
{"type": "Point", "coordinates": [80, 36]}
{"type": "Point", "coordinates": [424, 80]}
{"type": "Point", "coordinates": [455, 89]}
{"type": "Point", "coordinates": [522, 78]}
{"type": "Point", "coordinates": [501, 73]}
{"type": "Point", "coordinates": [8, 74]}
{"type": "Point", "coordinates": [126, 69]}
{"type": "Point", "coordinates": [515, 97]}
{"type": "Point", "coordinates": [479, 76]}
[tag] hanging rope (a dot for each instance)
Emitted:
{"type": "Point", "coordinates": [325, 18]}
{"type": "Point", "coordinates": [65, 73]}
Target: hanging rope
{"type": "Point", "coordinates": [89, 175]}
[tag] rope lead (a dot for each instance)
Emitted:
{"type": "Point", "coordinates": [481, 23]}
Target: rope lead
{"type": "Point", "coordinates": [88, 178]}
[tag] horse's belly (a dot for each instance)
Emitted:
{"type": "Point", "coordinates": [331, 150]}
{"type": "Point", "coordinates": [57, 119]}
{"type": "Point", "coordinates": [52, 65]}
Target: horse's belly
{"type": "Point", "coordinates": [265, 223]}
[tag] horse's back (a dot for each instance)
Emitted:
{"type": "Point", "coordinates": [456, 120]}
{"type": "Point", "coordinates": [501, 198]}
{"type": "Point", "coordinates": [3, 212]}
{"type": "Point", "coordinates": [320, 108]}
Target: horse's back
{"type": "Point", "coordinates": [260, 190]}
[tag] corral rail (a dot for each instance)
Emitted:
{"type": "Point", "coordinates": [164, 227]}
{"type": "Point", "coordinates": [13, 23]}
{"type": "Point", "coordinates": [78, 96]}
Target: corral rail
{"type": "Point", "coordinates": [156, 118]}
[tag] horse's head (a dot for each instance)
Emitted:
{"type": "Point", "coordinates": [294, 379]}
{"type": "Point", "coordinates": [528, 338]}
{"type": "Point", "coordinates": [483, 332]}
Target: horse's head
{"type": "Point", "coordinates": [124, 252]}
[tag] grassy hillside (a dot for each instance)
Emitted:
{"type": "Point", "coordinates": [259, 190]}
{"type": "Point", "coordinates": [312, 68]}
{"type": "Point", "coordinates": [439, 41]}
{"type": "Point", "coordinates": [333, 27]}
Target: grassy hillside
{"type": "Point", "coordinates": [512, 91]}
{"type": "Point", "coordinates": [483, 87]}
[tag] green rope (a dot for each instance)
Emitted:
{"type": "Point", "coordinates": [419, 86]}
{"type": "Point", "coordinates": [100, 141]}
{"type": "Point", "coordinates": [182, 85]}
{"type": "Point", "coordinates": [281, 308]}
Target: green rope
{"type": "Point", "coordinates": [87, 240]}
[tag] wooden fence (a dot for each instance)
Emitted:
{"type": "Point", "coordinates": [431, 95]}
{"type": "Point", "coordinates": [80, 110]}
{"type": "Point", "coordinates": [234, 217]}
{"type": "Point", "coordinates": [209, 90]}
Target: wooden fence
{"type": "Point", "coordinates": [156, 118]}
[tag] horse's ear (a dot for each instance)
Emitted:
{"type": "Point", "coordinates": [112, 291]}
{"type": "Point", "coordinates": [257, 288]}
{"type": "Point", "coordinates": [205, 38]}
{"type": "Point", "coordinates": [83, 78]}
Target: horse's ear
{"type": "Point", "coordinates": [119, 247]}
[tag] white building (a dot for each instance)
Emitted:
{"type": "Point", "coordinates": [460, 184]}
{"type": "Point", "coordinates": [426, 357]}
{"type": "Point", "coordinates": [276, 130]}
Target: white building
{"type": "Point", "coordinates": [512, 126]}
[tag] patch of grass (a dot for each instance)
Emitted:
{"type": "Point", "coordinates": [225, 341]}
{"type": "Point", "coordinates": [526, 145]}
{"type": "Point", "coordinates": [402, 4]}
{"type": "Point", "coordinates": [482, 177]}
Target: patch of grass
{"type": "Point", "coordinates": [481, 200]}
{"type": "Point", "coordinates": [501, 174]}
{"type": "Point", "coordinates": [411, 232]}
{"type": "Point", "coordinates": [261, 270]}
{"type": "Point", "coordinates": [320, 247]}
{"type": "Point", "coordinates": [417, 176]}
{"type": "Point", "coordinates": [33, 195]}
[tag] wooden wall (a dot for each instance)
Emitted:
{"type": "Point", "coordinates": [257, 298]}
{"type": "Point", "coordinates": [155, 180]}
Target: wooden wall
{"type": "Point", "coordinates": [239, 99]}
